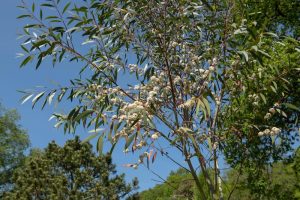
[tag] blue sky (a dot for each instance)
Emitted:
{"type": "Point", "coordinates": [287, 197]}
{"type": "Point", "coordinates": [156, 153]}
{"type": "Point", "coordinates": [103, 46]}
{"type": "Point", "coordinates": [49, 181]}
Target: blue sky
{"type": "Point", "coordinates": [40, 130]}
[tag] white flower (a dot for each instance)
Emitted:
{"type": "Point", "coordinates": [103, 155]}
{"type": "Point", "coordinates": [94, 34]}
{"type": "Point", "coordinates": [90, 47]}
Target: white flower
{"type": "Point", "coordinates": [205, 83]}
{"type": "Point", "coordinates": [211, 68]}
{"type": "Point", "coordinates": [123, 117]}
{"type": "Point", "coordinates": [267, 131]}
{"type": "Point", "coordinates": [132, 67]}
{"type": "Point", "coordinates": [177, 79]}
{"type": "Point", "coordinates": [174, 44]}
{"type": "Point", "coordinates": [214, 61]}
{"type": "Point", "coordinates": [201, 71]}
{"type": "Point", "coordinates": [268, 116]}
{"type": "Point", "coordinates": [260, 69]}
{"type": "Point", "coordinates": [136, 87]}
{"type": "Point", "coordinates": [272, 110]}
{"type": "Point", "coordinates": [126, 150]}
{"type": "Point", "coordinates": [156, 89]}
{"type": "Point", "coordinates": [154, 79]}
{"type": "Point", "coordinates": [206, 72]}
{"type": "Point", "coordinates": [152, 93]}
{"type": "Point", "coordinates": [135, 166]}
{"type": "Point", "coordinates": [260, 133]}
{"type": "Point", "coordinates": [276, 130]}
{"type": "Point", "coordinates": [155, 136]}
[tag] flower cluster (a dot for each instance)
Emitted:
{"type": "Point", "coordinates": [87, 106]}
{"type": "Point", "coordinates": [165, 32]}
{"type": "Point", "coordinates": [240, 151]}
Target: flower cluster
{"type": "Point", "coordinates": [254, 98]}
{"type": "Point", "coordinates": [155, 136]}
{"type": "Point", "coordinates": [267, 132]}
{"type": "Point", "coordinates": [271, 112]}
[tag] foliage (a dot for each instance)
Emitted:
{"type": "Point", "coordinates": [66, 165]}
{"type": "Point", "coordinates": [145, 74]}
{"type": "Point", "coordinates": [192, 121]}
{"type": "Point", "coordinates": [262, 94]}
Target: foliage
{"type": "Point", "coordinates": [13, 142]}
{"type": "Point", "coordinates": [178, 185]}
{"type": "Point", "coordinates": [281, 17]}
{"type": "Point", "coordinates": [213, 74]}
{"type": "Point", "coordinates": [296, 167]}
{"type": "Point", "coordinates": [69, 172]}
{"type": "Point", "coordinates": [279, 182]}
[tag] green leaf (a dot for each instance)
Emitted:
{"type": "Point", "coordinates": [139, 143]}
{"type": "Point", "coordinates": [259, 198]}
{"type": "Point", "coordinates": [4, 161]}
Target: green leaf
{"type": "Point", "coordinates": [291, 106]}
{"type": "Point", "coordinates": [84, 114]}
{"type": "Point", "coordinates": [92, 136]}
{"type": "Point", "coordinates": [207, 106]}
{"type": "Point", "coordinates": [36, 98]}
{"type": "Point", "coordinates": [96, 130]}
{"type": "Point", "coordinates": [244, 54]}
{"type": "Point", "coordinates": [129, 141]}
{"type": "Point", "coordinates": [273, 89]}
{"type": "Point", "coordinates": [112, 148]}
{"type": "Point", "coordinates": [26, 60]}
{"type": "Point", "coordinates": [47, 5]}
{"type": "Point", "coordinates": [66, 7]}
{"type": "Point", "coordinates": [27, 98]}
{"type": "Point", "coordinates": [33, 7]}
{"type": "Point", "coordinates": [281, 112]}
{"type": "Point", "coordinates": [264, 53]}
{"type": "Point", "coordinates": [198, 107]}
{"type": "Point", "coordinates": [209, 144]}
{"type": "Point", "coordinates": [41, 14]}
{"type": "Point", "coordinates": [23, 16]}
{"type": "Point", "coordinates": [263, 97]}
{"type": "Point", "coordinates": [100, 144]}
{"type": "Point", "coordinates": [273, 139]}
{"type": "Point", "coordinates": [50, 98]}
{"type": "Point", "coordinates": [271, 34]}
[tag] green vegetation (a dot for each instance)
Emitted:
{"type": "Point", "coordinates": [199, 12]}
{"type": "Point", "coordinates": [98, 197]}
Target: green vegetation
{"type": "Point", "coordinates": [13, 143]}
{"type": "Point", "coordinates": [179, 185]}
{"type": "Point", "coordinates": [210, 79]}
{"type": "Point", "coordinates": [69, 172]}
{"type": "Point", "coordinates": [279, 182]}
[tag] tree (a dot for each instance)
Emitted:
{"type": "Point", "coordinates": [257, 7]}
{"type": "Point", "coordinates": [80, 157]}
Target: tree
{"type": "Point", "coordinates": [69, 172]}
{"type": "Point", "coordinates": [178, 185]}
{"type": "Point", "coordinates": [296, 167]}
{"type": "Point", "coordinates": [277, 182]}
{"type": "Point", "coordinates": [13, 143]}
{"type": "Point", "coordinates": [280, 181]}
{"type": "Point", "coordinates": [209, 72]}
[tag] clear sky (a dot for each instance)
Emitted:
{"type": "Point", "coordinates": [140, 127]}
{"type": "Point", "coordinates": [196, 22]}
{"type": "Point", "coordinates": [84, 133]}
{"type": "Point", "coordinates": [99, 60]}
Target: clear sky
{"type": "Point", "coordinates": [40, 130]}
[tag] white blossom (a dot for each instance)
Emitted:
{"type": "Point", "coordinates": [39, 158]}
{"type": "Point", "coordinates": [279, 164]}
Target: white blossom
{"type": "Point", "coordinates": [268, 116]}
{"type": "Point", "coordinates": [260, 133]}
{"type": "Point", "coordinates": [154, 136]}
{"type": "Point", "coordinates": [276, 130]}
{"type": "Point", "coordinates": [211, 68]}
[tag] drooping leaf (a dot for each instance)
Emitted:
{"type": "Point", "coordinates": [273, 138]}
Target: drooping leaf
{"type": "Point", "coordinates": [100, 144]}
{"type": "Point", "coordinates": [90, 137]}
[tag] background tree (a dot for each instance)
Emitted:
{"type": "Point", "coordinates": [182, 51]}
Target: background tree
{"type": "Point", "coordinates": [273, 81]}
{"type": "Point", "coordinates": [13, 143]}
{"type": "Point", "coordinates": [178, 185]}
{"type": "Point", "coordinates": [214, 78]}
{"type": "Point", "coordinates": [69, 172]}
{"type": "Point", "coordinates": [279, 181]}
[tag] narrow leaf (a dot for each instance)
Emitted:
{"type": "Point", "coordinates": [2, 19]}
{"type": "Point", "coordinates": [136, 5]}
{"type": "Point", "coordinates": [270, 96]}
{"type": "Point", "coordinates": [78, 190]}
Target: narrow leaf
{"type": "Point", "coordinates": [92, 136]}
{"type": "Point", "coordinates": [100, 144]}
{"type": "Point", "coordinates": [27, 98]}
